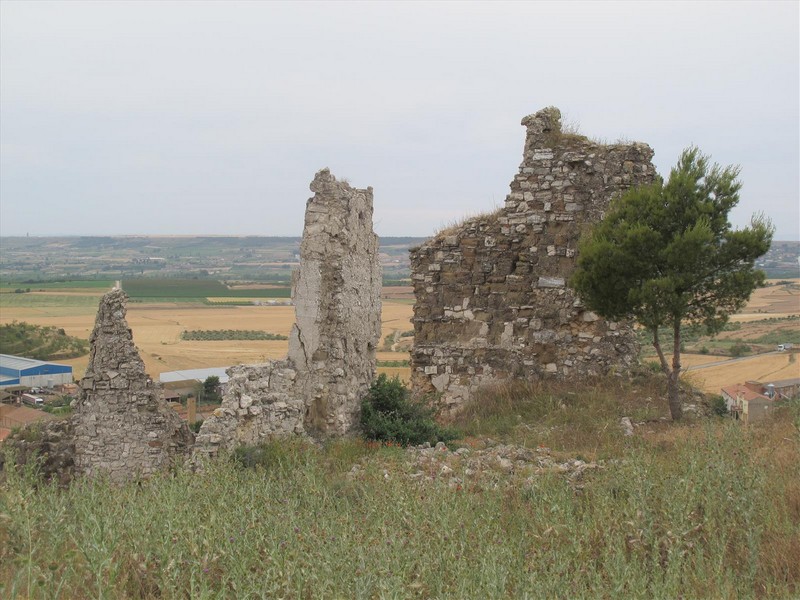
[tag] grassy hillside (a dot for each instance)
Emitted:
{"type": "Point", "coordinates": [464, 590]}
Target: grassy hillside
{"type": "Point", "coordinates": [703, 509]}
{"type": "Point", "coordinates": [41, 343]}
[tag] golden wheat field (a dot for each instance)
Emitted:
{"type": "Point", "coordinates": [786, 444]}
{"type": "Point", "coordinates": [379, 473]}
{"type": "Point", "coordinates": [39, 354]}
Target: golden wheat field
{"type": "Point", "coordinates": [772, 301]}
{"type": "Point", "coordinates": [764, 368]}
{"type": "Point", "coordinates": [157, 327]}
{"type": "Point", "coordinates": [765, 303]}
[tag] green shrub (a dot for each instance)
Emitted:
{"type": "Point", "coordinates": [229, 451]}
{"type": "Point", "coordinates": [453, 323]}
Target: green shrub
{"type": "Point", "coordinates": [739, 349]}
{"type": "Point", "coordinates": [40, 342]}
{"type": "Point", "coordinates": [215, 335]}
{"type": "Point", "coordinates": [393, 363]}
{"type": "Point", "coordinates": [389, 414]}
{"type": "Point", "coordinates": [718, 406]}
{"type": "Point", "coordinates": [704, 350]}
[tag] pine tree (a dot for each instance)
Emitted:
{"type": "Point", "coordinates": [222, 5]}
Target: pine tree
{"type": "Point", "coordinates": [666, 255]}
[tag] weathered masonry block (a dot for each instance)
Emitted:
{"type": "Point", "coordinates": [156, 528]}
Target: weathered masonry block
{"type": "Point", "coordinates": [121, 427]}
{"type": "Point", "coordinates": [492, 294]}
{"type": "Point", "coordinates": [331, 363]}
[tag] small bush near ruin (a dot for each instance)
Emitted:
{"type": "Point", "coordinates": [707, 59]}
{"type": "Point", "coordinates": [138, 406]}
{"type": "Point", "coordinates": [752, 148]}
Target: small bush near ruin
{"type": "Point", "coordinates": [389, 414]}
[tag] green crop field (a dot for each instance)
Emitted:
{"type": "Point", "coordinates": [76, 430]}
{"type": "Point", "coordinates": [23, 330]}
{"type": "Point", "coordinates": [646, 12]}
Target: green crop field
{"type": "Point", "coordinates": [45, 300]}
{"type": "Point", "coordinates": [88, 284]}
{"type": "Point", "coordinates": [193, 288]}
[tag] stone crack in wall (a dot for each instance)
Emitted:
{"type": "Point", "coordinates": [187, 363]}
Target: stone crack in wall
{"type": "Point", "coordinates": [492, 300]}
{"type": "Point", "coordinates": [122, 428]}
{"type": "Point", "coordinates": [331, 361]}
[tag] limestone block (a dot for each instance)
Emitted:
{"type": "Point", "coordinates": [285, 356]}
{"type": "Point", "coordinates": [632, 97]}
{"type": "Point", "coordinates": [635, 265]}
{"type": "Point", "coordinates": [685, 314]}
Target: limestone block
{"type": "Point", "coordinates": [550, 282]}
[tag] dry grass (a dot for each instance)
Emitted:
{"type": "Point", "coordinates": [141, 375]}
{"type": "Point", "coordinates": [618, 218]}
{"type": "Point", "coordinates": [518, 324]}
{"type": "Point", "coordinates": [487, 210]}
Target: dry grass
{"type": "Point", "coordinates": [456, 225]}
{"type": "Point", "coordinates": [582, 417]}
{"type": "Point", "coordinates": [702, 509]}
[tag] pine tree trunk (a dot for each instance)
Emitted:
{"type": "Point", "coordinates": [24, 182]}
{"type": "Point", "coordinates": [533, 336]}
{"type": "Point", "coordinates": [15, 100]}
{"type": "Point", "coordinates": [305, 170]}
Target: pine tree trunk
{"type": "Point", "coordinates": [673, 374]}
{"type": "Point", "coordinates": [673, 388]}
{"type": "Point", "coordinates": [675, 404]}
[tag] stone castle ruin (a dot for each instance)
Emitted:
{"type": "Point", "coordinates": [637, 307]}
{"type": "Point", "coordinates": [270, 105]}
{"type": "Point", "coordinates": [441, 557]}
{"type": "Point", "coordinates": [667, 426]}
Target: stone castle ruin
{"type": "Point", "coordinates": [120, 427]}
{"type": "Point", "coordinates": [492, 295]}
{"type": "Point", "coordinates": [318, 388]}
{"type": "Point", "coordinates": [492, 304]}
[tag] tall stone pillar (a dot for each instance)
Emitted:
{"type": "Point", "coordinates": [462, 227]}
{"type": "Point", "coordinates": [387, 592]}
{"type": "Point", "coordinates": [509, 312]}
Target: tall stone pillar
{"type": "Point", "coordinates": [317, 390]}
{"type": "Point", "coordinates": [122, 427]}
{"type": "Point", "coordinates": [337, 303]}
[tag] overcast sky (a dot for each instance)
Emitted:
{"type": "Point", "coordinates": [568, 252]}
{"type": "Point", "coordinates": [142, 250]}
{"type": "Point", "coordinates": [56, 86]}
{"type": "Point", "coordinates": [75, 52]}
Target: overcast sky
{"type": "Point", "coordinates": [212, 118]}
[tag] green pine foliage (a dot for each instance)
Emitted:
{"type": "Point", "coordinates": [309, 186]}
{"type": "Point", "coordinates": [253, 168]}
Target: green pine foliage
{"type": "Point", "coordinates": [666, 255]}
{"type": "Point", "coordinates": [389, 414]}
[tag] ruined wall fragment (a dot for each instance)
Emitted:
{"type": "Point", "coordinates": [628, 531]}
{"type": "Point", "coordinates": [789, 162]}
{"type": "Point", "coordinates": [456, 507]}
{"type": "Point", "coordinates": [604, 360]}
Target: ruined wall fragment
{"type": "Point", "coordinates": [337, 303]}
{"type": "Point", "coordinates": [121, 426]}
{"type": "Point", "coordinates": [331, 362]}
{"type": "Point", "coordinates": [492, 295]}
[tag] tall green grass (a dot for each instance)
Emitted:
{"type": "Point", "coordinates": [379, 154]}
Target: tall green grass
{"type": "Point", "coordinates": [579, 418]}
{"type": "Point", "coordinates": [712, 513]}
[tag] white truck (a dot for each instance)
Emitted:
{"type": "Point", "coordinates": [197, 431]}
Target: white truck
{"type": "Point", "coordinates": [32, 400]}
{"type": "Point", "coordinates": [785, 347]}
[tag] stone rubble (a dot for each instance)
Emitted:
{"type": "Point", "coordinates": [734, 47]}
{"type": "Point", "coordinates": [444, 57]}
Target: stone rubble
{"type": "Point", "coordinates": [51, 443]}
{"type": "Point", "coordinates": [627, 426]}
{"type": "Point", "coordinates": [492, 295]}
{"type": "Point", "coordinates": [492, 465]}
{"type": "Point", "coordinates": [318, 388]}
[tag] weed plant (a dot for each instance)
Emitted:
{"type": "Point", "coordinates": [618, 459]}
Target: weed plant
{"type": "Point", "coordinates": [703, 509]}
{"type": "Point", "coordinates": [390, 414]}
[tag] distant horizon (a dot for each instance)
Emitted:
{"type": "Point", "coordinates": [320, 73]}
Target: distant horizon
{"type": "Point", "coordinates": [232, 235]}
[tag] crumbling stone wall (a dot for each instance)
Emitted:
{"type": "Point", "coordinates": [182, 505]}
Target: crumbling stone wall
{"type": "Point", "coordinates": [122, 427]}
{"type": "Point", "coordinates": [331, 361]}
{"type": "Point", "coordinates": [492, 295]}
{"type": "Point", "coordinates": [50, 443]}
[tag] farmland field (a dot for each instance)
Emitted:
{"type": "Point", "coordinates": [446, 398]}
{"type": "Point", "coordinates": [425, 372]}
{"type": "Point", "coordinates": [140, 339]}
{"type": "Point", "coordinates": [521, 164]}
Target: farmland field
{"type": "Point", "coordinates": [194, 288]}
{"type": "Point", "coordinates": [772, 301]}
{"type": "Point", "coordinates": [764, 368]}
{"type": "Point", "coordinates": [769, 318]}
{"type": "Point", "coordinates": [157, 325]}
{"type": "Point", "coordinates": [157, 328]}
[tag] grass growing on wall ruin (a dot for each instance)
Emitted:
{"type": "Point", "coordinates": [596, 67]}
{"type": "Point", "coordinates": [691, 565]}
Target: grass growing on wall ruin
{"type": "Point", "coordinates": [701, 509]}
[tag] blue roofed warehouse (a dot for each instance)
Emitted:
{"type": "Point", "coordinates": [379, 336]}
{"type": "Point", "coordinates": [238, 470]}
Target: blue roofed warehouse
{"type": "Point", "coordinates": [16, 370]}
